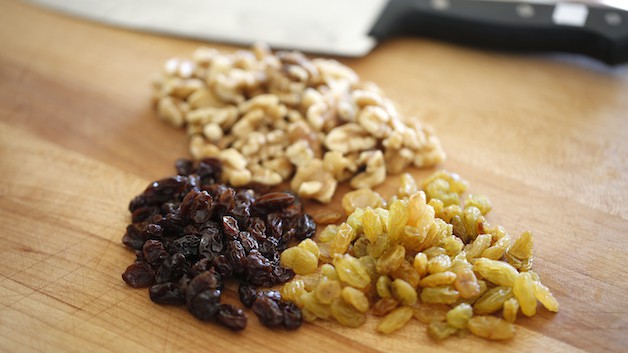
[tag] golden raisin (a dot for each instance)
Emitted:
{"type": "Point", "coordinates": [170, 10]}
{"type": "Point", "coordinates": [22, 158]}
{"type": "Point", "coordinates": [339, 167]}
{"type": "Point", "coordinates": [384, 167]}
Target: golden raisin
{"type": "Point", "coordinates": [298, 259]}
{"type": "Point", "coordinates": [356, 298]}
{"type": "Point", "coordinates": [391, 259]}
{"type": "Point", "coordinates": [523, 289]}
{"type": "Point", "coordinates": [346, 314]}
{"type": "Point", "coordinates": [491, 328]}
{"type": "Point", "coordinates": [403, 292]}
{"type": "Point", "coordinates": [351, 271]}
{"type": "Point", "coordinates": [395, 320]}
{"type": "Point", "coordinates": [327, 290]}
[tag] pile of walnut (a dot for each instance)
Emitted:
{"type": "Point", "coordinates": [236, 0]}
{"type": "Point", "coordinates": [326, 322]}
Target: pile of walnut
{"type": "Point", "coordinates": [275, 117]}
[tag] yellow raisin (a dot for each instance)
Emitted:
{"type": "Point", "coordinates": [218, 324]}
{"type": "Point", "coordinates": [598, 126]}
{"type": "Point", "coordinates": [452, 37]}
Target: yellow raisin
{"type": "Point", "coordinates": [346, 314]}
{"type": "Point", "coordinates": [377, 249]}
{"type": "Point", "coordinates": [522, 247]}
{"type": "Point", "coordinates": [390, 259]}
{"type": "Point", "coordinates": [311, 246]}
{"type": "Point", "coordinates": [479, 244]}
{"type": "Point", "coordinates": [328, 233]}
{"type": "Point", "coordinates": [383, 286]}
{"type": "Point", "coordinates": [438, 330]}
{"type": "Point", "coordinates": [355, 220]}
{"type": "Point", "coordinates": [498, 272]}
{"type": "Point", "coordinates": [397, 219]}
{"type": "Point", "coordinates": [438, 263]}
{"type": "Point", "coordinates": [523, 289]}
{"type": "Point", "coordinates": [480, 201]}
{"type": "Point", "coordinates": [395, 320]}
{"type": "Point", "coordinates": [371, 225]}
{"type": "Point", "coordinates": [427, 313]}
{"type": "Point", "coordinates": [452, 245]}
{"type": "Point", "coordinates": [460, 315]}
{"type": "Point", "coordinates": [438, 279]}
{"type": "Point", "coordinates": [360, 247]}
{"type": "Point", "coordinates": [327, 290]}
{"type": "Point", "coordinates": [384, 306]}
{"type": "Point", "coordinates": [351, 271]}
{"type": "Point", "coordinates": [403, 292]}
{"type": "Point", "coordinates": [344, 236]}
{"type": "Point", "coordinates": [511, 307]}
{"type": "Point", "coordinates": [356, 298]}
{"type": "Point", "coordinates": [292, 291]}
{"type": "Point", "coordinates": [407, 273]}
{"type": "Point", "coordinates": [543, 294]}
{"type": "Point", "coordinates": [491, 328]}
{"type": "Point", "coordinates": [420, 263]}
{"type": "Point", "coordinates": [329, 271]}
{"type": "Point", "coordinates": [466, 283]}
{"type": "Point", "coordinates": [311, 303]}
{"type": "Point", "coordinates": [492, 300]}
{"type": "Point", "coordinates": [301, 261]}
{"type": "Point", "coordinates": [310, 281]}
{"type": "Point", "coordinates": [408, 186]}
{"type": "Point", "coordinates": [368, 262]}
{"type": "Point", "coordinates": [439, 295]}
{"type": "Point", "coordinates": [497, 250]}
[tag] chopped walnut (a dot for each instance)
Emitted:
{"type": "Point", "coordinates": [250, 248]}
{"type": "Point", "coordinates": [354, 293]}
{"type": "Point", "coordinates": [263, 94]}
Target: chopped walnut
{"type": "Point", "coordinates": [274, 116]}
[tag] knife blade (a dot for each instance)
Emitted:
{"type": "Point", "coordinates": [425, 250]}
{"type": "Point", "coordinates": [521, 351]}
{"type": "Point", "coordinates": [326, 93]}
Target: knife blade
{"type": "Point", "coordinates": [353, 28]}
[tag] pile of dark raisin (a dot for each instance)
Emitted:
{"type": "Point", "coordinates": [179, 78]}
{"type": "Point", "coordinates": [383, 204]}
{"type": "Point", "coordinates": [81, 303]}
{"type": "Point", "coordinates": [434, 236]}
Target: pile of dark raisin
{"type": "Point", "coordinates": [191, 234]}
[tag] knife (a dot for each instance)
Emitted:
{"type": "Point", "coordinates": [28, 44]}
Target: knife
{"type": "Point", "coordinates": [353, 28]}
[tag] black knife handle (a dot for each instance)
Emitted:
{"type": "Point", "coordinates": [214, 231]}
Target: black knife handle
{"type": "Point", "coordinates": [512, 26]}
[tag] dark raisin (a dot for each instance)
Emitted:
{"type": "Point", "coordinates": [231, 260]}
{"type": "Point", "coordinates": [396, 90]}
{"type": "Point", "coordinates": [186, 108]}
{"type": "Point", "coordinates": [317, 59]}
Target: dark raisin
{"type": "Point", "coordinates": [139, 274]}
{"type": "Point", "coordinates": [166, 293]}
{"type": "Point", "coordinates": [184, 166]}
{"type": "Point", "coordinates": [210, 170]}
{"type": "Point", "coordinates": [271, 202]}
{"type": "Point", "coordinates": [205, 304]}
{"type": "Point", "coordinates": [268, 311]}
{"type": "Point", "coordinates": [230, 227]}
{"type": "Point", "coordinates": [186, 245]}
{"type": "Point", "coordinates": [200, 266]}
{"type": "Point", "coordinates": [258, 269]}
{"type": "Point", "coordinates": [196, 207]}
{"type": "Point", "coordinates": [211, 243]}
{"type": "Point", "coordinates": [154, 252]}
{"type": "Point", "coordinates": [142, 213]}
{"type": "Point", "coordinates": [202, 282]}
{"type": "Point", "coordinates": [133, 237]}
{"type": "Point", "coordinates": [306, 227]}
{"type": "Point", "coordinates": [235, 254]}
{"type": "Point", "coordinates": [172, 268]}
{"type": "Point", "coordinates": [197, 233]}
{"type": "Point", "coordinates": [224, 203]}
{"type": "Point", "coordinates": [292, 316]}
{"type": "Point", "coordinates": [247, 294]}
{"type": "Point", "coordinates": [248, 242]}
{"type": "Point", "coordinates": [257, 228]}
{"type": "Point", "coordinates": [275, 224]}
{"type": "Point", "coordinates": [222, 266]}
{"type": "Point", "coordinates": [231, 317]}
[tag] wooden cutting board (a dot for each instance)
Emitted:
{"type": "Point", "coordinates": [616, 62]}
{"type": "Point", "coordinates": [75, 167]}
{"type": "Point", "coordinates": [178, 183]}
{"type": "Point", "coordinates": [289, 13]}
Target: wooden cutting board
{"type": "Point", "coordinates": [545, 137]}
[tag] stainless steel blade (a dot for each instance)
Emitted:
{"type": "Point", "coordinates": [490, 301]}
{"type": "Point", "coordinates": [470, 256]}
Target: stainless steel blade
{"type": "Point", "coordinates": [320, 26]}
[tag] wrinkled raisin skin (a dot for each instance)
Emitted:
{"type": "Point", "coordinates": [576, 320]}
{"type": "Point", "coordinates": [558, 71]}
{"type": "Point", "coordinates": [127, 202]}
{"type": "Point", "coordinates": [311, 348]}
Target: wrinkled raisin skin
{"type": "Point", "coordinates": [190, 234]}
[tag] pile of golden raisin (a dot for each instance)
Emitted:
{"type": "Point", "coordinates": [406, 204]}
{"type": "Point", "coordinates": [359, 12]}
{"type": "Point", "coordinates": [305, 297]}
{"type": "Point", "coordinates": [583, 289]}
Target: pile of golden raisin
{"type": "Point", "coordinates": [426, 254]}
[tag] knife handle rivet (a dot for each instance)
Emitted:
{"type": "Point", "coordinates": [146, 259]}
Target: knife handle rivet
{"type": "Point", "coordinates": [613, 18]}
{"type": "Point", "coordinates": [440, 4]}
{"type": "Point", "coordinates": [525, 10]}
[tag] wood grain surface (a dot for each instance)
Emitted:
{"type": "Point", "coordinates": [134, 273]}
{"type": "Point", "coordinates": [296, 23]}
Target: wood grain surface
{"type": "Point", "coordinates": [545, 137]}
